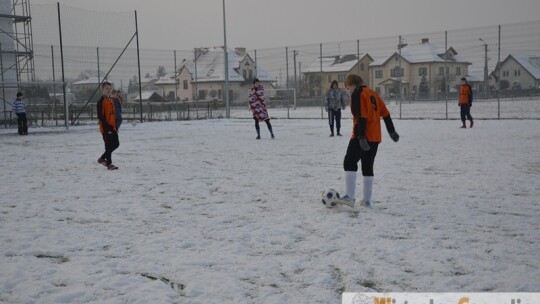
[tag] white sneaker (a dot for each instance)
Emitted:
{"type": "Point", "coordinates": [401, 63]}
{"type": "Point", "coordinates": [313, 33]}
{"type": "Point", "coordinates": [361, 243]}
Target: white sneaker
{"type": "Point", "coordinates": [345, 200]}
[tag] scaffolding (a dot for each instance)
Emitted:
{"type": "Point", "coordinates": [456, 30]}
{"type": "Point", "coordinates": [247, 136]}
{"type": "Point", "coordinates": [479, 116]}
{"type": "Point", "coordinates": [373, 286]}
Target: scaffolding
{"type": "Point", "coordinates": [21, 36]}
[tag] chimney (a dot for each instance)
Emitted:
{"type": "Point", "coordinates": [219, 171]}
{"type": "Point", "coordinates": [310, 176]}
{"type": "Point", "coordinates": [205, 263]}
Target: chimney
{"type": "Point", "coordinates": [240, 51]}
{"type": "Point", "coordinates": [425, 40]}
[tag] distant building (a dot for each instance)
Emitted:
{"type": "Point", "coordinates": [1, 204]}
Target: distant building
{"type": "Point", "coordinates": [518, 72]}
{"type": "Point", "coordinates": [421, 71]}
{"type": "Point", "coordinates": [149, 96]}
{"type": "Point", "coordinates": [204, 77]}
{"type": "Point", "coordinates": [334, 68]}
{"type": "Point", "coordinates": [167, 87]}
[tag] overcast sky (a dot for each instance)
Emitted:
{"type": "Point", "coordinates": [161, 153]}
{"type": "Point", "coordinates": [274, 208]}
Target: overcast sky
{"type": "Point", "coordinates": [277, 23]}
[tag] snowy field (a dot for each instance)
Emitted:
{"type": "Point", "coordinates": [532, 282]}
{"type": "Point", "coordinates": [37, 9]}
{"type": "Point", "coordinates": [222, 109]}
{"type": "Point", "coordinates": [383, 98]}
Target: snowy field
{"type": "Point", "coordinates": [201, 212]}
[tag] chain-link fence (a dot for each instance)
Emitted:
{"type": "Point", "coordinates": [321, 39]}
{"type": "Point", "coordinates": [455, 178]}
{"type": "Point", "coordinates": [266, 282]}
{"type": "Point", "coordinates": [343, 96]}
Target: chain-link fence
{"type": "Point", "coordinates": [418, 75]}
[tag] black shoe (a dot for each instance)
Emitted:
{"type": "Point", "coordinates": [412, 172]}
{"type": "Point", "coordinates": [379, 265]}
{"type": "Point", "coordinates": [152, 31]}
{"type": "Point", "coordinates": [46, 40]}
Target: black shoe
{"type": "Point", "coordinates": [258, 137]}
{"type": "Point", "coordinates": [332, 135]}
{"type": "Point", "coordinates": [339, 134]}
{"type": "Point", "coordinates": [273, 136]}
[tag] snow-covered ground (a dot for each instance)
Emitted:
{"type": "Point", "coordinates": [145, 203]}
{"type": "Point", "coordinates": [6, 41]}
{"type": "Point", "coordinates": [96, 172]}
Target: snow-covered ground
{"type": "Point", "coordinates": [201, 212]}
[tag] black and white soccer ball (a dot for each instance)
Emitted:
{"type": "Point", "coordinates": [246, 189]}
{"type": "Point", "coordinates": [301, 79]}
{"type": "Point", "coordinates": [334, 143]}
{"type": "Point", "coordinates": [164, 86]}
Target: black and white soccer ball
{"type": "Point", "coordinates": [329, 198]}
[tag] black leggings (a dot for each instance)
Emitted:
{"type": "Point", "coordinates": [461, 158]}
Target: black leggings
{"type": "Point", "coordinates": [334, 116]}
{"type": "Point", "coordinates": [267, 123]}
{"type": "Point", "coordinates": [466, 112]}
{"type": "Point", "coordinates": [355, 154]}
{"type": "Point", "coordinates": [111, 144]}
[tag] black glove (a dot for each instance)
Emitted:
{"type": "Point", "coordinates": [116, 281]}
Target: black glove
{"type": "Point", "coordinates": [364, 144]}
{"type": "Point", "coordinates": [470, 104]}
{"type": "Point", "coordinates": [394, 136]}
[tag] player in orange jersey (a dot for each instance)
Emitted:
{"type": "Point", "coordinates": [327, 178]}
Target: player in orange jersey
{"type": "Point", "coordinates": [465, 102]}
{"type": "Point", "coordinates": [107, 126]}
{"type": "Point", "coordinates": [367, 108]}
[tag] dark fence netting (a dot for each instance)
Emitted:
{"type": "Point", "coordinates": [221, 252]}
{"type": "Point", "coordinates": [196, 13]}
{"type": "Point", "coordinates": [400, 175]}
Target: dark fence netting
{"type": "Point", "coordinates": [418, 75]}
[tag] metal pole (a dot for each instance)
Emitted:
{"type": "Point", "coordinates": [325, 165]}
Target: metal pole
{"type": "Point", "coordinates": [255, 64]}
{"type": "Point", "coordinates": [321, 83]}
{"type": "Point", "coordinates": [175, 85]}
{"type": "Point", "coordinates": [139, 66]}
{"type": "Point", "coordinates": [486, 84]}
{"type": "Point", "coordinates": [295, 52]}
{"type": "Point", "coordinates": [445, 68]}
{"type": "Point", "coordinates": [358, 56]}
{"type": "Point", "coordinates": [98, 72]}
{"type": "Point", "coordinates": [66, 113]}
{"type": "Point", "coordinates": [287, 69]}
{"type": "Point", "coordinates": [226, 89]}
{"type": "Point", "coordinates": [3, 85]}
{"type": "Point", "coordinates": [196, 51]}
{"type": "Point", "coordinates": [287, 77]}
{"type": "Point", "coordinates": [54, 85]}
{"type": "Point", "coordinates": [399, 86]}
{"type": "Point", "coordinates": [498, 76]}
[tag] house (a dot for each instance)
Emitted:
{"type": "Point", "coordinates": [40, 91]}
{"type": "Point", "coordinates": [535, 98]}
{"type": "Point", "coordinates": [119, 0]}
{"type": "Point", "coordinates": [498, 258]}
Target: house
{"type": "Point", "coordinates": [149, 96]}
{"type": "Point", "coordinates": [167, 87]}
{"type": "Point", "coordinates": [90, 83]}
{"type": "Point", "coordinates": [204, 77]}
{"type": "Point", "coordinates": [419, 71]}
{"type": "Point", "coordinates": [334, 68]}
{"type": "Point", "coordinates": [518, 72]}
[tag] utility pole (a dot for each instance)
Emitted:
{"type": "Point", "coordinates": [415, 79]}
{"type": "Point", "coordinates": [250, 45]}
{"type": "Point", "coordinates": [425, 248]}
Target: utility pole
{"type": "Point", "coordinates": [486, 83]}
{"type": "Point", "coordinates": [226, 55]}
{"type": "Point", "coordinates": [295, 52]}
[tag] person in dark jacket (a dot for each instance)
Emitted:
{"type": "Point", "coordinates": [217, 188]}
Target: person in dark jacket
{"type": "Point", "coordinates": [335, 102]}
{"type": "Point", "coordinates": [465, 102]}
{"type": "Point", "coordinates": [107, 126]}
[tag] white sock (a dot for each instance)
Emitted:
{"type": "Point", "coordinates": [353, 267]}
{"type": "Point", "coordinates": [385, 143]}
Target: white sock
{"type": "Point", "coordinates": [350, 183]}
{"type": "Point", "coordinates": [368, 188]}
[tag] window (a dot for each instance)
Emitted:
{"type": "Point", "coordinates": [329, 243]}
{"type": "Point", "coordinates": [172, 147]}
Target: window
{"type": "Point", "coordinates": [378, 90]}
{"type": "Point", "coordinates": [341, 77]}
{"type": "Point", "coordinates": [378, 74]}
{"type": "Point", "coordinates": [185, 84]}
{"type": "Point", "coordinates": [422, 71]}
{"type": "Point", "coordinates": [329, 78]}
{"type": "Point", "coordinates": [441, 70]}
{"type": "Point", "coordinates": [244, 73]}
{"type": "Point", "coordinates": [250, 74]}
{"type": "Point", "coordinates": [397, 72]}
{"type": "Point", "coordinates": [517, 73]}
{"type": "Point", "coordinates": [458, 71]}
{"type": "Point", "coordinates": [361, 66]}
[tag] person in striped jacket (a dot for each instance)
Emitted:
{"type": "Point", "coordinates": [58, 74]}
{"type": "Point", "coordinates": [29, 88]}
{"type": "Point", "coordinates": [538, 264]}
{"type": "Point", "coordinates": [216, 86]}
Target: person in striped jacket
{"type": "Point", "coordinates": [19, 107]}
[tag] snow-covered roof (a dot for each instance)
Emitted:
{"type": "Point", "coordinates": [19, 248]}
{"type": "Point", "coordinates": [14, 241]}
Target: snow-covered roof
{"type": "Point", "coordinates": [145, 95]}
{"type": "Point", "coordinates": [334, 63]}
{"type": "Point", "coordinates": [475, 76]}
{"type": "Point", "coordinates": [211, 66]}
{"type": "Point", "coordinates": [165, 80]}
{"type": "Point", "coordinates": [89, 80]}
{"type": "Point", "coordinates": [530, 63]}
{"type": "Point", "coordinates": [423, 53]}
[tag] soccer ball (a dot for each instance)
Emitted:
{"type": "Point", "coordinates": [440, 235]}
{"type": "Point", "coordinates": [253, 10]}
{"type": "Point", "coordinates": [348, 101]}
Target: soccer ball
{"type": "Point", "coordinates": [328, 198]}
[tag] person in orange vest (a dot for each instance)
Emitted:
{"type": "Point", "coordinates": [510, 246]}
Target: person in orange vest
{"type": "Point", "coordinates": [465, 102]}
{"type": "Point", "coordinates": [107, 125]}
{"type": "Point", "coordinates": [367, 108]}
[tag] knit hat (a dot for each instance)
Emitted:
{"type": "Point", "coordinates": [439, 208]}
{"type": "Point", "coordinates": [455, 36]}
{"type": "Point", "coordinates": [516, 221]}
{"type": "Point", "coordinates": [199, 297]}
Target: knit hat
{"type": "Point", "coordinates": [255, 80]}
